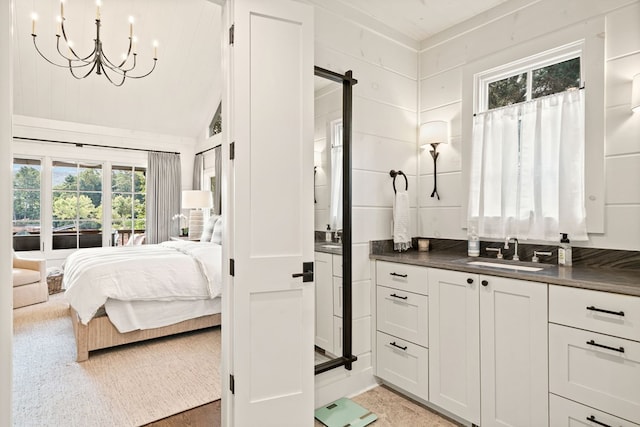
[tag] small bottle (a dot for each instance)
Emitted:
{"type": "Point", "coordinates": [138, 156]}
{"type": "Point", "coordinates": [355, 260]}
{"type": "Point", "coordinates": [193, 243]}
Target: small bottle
{"type": "Point", "coordinates": [473, 248]}
{"type": "Point", "coordinates": [327, 236]}
{"type": "Point", "coordinates": [564, 251]}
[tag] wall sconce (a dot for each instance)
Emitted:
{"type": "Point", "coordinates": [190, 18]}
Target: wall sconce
{"type": "Point", "coordinates": [635, 94]}
{"type": "Point", "coordinates": [196, 200]}
{"type": "Point", "coordinates": [434, 133]}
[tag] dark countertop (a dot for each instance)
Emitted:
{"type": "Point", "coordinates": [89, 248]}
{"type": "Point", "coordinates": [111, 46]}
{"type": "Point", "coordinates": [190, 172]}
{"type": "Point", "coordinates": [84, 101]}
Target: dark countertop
{"type": "Point", "coordinates": [329, 248]}
{"type": "Point", "coordinates": [621, 281]}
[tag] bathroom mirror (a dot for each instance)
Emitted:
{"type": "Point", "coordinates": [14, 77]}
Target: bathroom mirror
{"type": "Point", "coordinates": [332, 199]}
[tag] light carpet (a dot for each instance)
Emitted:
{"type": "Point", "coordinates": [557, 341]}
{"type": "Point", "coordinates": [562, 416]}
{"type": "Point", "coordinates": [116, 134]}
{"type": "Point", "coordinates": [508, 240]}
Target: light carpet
{"type": "Point", "coordinates": [125, 386]}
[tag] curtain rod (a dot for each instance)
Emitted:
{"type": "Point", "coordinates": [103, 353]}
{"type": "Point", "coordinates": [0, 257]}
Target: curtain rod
{"type": "Point", "coordinates": [209, 149]}
{"type": "Point", "coordinates": [82, 144]}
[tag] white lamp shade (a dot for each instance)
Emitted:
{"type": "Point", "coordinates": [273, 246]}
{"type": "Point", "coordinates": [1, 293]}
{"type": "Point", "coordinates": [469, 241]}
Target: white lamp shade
{"type": "Point", "coordinates": [194, 199]}
{"type": "Point", "coordinates": [435, 132]}
{"type": "Point", "coordinates": [635, 94]}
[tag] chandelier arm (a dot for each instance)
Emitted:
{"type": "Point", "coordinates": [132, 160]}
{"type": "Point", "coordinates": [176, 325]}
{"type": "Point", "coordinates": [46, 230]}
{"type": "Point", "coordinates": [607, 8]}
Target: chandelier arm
{"type": "Point", "coordinates": [86, 75]}
{"type": "Point", "coordinates": [124, 76]}
{"type": "Point", "coordinates": [111, 65]}
{"type": "Point", "coordinates": [155, 60]}
{"type": "Point", "coordinates": [119, 69]}
{"type": "Point", "coordinates": [66, 41]}
{"type": "Point", "coordinates": [76, 59]}
{"type": "Point", "coordinates": [53, 63]}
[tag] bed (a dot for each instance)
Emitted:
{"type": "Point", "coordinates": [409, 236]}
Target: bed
{"type": "Point", "coordinates": [120, 295]}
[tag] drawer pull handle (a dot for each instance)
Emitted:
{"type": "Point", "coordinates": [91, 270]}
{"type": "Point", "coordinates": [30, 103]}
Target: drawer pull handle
{"type": "Point", "coordinates": [602, 310]}
{"type": "Point", "coordinates": [469, 280]}
{"type": "Point", "coordinates": [595, 344]}
{"type": "Point", "coordinates": [398, 296]}
{"type": "Point", "coordinates": [398, 346]}
{"type": "Point", "coordinates": [593, 420]}
{"type": "Point", "coordinates": [398, 275]}
{"type": "Point", "coordinates": [485, 283]}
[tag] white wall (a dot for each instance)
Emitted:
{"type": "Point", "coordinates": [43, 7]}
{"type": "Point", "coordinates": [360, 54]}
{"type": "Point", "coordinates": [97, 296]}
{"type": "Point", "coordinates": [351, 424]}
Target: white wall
{"type": "Point", "coordinates": [6, 210]}
{"type": "Point", "coordinates": [384, 138]}
{"type": "Point", "coordinates": [446, 59]}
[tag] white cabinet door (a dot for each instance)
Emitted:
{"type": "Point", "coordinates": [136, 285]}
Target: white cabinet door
{"type": "Point", "coordinates": [513, 353]}
{"type": "Point", "coordinates": [324, 301]}
{"type": "Point", "coordinates": [454, 360]}
{"type": "Point", "coordinates": [271, 229]}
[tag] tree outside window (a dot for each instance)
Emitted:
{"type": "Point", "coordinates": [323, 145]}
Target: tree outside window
{"type": "Point", "coordinates": [26, 204]}
{"type": "Point", "coordinates": [128, 203]}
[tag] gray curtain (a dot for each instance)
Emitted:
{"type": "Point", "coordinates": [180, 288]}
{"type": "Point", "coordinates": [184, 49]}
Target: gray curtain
{"type": "Point", "coordinates": [163, 196]}
{"type": "Point", "coordinates": [198, 171]}
{"type": "Point", "coordinates": [217, 191]}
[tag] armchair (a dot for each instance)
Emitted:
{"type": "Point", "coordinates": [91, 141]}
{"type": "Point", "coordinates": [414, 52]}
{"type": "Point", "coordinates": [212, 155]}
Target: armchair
{"type": "Point", "coordinates": [29, 281]}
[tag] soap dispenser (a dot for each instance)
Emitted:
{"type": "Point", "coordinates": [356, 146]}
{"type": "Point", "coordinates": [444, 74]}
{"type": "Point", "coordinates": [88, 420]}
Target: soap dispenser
{"type": "Point", "coordinates": [327, 236]}
{"type": "Point", "coordinates": [564, 251]}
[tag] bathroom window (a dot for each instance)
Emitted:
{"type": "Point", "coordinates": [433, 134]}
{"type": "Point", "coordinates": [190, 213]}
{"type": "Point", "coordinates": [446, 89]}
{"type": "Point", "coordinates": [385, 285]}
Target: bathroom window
{"type": "Point", "coordinates": [528, 148]}
{"type": "Point", "coordinates": [541, 75]}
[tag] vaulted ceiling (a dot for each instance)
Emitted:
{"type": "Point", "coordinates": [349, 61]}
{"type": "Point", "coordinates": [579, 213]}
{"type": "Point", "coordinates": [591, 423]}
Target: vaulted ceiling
{"type": "Point", "coordinates": [181, 95]}
{"type": "Point", "coordinates": [178, 98]}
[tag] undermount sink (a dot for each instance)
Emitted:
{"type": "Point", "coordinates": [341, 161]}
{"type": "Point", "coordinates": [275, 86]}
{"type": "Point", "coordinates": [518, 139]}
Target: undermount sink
{"type": "Point", "coordinates": [505, 266]}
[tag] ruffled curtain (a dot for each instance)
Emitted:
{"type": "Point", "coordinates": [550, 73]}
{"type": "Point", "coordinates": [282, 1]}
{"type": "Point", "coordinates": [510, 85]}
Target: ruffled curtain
{"type": "Point", "coordinates": [527, 170]}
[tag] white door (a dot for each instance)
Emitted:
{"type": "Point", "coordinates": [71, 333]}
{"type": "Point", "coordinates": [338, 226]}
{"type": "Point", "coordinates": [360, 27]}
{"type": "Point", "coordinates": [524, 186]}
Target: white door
{"type": "Point", "coordinates": [513, 353]}
{"type": "Point", "coordinates": [270, 68]}
{"type": "Point", "coordinates": [454, 336]}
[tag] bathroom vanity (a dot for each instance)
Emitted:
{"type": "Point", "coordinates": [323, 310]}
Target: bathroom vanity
{"type": "Point", "coordinates": [519, 344]}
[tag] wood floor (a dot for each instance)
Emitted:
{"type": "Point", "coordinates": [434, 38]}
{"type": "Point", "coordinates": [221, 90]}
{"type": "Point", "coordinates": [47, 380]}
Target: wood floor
{"type": "Point", "coordinates": [392, 410]}
{"type": "Point", "coordinates": [205, 415]}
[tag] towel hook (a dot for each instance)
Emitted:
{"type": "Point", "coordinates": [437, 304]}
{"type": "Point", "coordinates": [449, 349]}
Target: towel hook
{"type": "Point", "coordinates": [394, 174]}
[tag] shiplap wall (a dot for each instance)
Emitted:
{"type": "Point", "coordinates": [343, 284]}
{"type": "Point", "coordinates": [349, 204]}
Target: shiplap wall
{"type": "Point", "coordinates": [444, 63]}
{"type": "Point", "coordinates": [384, 138]}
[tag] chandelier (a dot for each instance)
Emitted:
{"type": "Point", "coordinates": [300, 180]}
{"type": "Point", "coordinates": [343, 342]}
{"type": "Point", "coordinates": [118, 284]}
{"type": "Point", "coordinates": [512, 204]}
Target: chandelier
{"type": "Point", "coordinates": [115, 72]}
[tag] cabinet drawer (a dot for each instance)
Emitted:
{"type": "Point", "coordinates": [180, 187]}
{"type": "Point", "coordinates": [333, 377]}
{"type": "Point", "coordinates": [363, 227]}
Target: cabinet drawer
{"type": "Point", "coordinates": [566, 413]}
{"type": "Point", "coordinates": [409, 278]}
{"type": "Point", "coordinates": [360, 298]}
{"type": "Point", "coordinates": [604, 312]}
{"type": "Point", "coordinates": [403, 314]}
{"type": "Point", "coordinates": [403, 364]}
{"type": "Point", "coordinates": [606, 378]}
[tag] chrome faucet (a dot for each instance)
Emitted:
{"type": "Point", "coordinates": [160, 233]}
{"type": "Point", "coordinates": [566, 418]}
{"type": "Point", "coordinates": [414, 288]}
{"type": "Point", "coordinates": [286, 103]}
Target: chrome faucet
{"type": "Point", "coordinates": [515, 251]}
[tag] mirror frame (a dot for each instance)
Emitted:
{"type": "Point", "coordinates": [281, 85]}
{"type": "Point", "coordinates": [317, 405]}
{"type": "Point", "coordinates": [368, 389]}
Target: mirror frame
{"type": "Point", "coordinates": [347, 357]}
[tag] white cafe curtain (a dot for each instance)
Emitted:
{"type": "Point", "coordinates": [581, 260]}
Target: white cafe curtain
{"type": "Point", "coordinates": [527, 170]}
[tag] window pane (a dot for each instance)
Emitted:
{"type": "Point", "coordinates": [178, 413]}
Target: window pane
{"type": "Point", "coordinates": [508, 91]}
{"type": "Point", "coordinates": [65, 205]}
{"type": "Point", "coordinates": [121, 207]}
{"type": "Point", "coordinates": [140, 181]}
{"type": "Point", "coordinates": [90, 178]}
{"type": "Point", "coordinates": [90, 206]}
{"type": "Point", "coordinates": [26, 174]}
{"type": "Point", "coordinates": [556, 78]}
{"type": "Point", "coordinates": [64, 176]}
{"type": "Point", "coordinates": [26, 206]}
{"type": "Point", "coordinates": [64, 234]}
{"type": "Point", "coordinates": [121, 180]}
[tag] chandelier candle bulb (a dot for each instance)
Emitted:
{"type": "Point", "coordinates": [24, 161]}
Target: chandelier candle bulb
{"type": "Point", "coordinates": [98, 4]}
{"type": "Point", "coordinates": [34, 18]}
{"type": "Point", "coordinates": [130, 26]}
{"type": "Point", "coordinates": [61, 8]}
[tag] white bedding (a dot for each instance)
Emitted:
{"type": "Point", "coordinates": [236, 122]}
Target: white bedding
{"type": "Point", "coordinates": [169, 271]}
{"type": "Point", "coordinates": [129, 316]}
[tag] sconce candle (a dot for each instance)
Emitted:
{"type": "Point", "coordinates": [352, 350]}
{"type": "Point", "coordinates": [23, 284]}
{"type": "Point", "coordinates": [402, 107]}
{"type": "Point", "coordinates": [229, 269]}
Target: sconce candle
{"type": "Point", "coordinates": [434, 133]}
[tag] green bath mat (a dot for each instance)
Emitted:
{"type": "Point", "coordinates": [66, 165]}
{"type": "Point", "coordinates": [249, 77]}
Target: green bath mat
{"type": "Point", "coordinates": [344, 413]}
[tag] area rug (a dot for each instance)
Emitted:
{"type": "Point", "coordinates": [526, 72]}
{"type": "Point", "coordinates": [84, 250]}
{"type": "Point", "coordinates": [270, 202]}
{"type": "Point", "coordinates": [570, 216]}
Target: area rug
{"type": "Point", "coordinates": [129, 385]}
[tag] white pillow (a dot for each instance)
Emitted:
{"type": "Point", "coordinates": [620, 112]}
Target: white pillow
{"type": "Point", "coordinates": [217, 232]}
{"type": "Point", "coordinates": [207, 230]}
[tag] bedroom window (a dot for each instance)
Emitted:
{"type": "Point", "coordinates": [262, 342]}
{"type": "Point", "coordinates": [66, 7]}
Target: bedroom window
{"type": "Point", "coordinates": [76, 205]}
{"type": "Point", "coordinates": [128, 203]}
{"type": "Point", "coordinates": [26, 204]}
